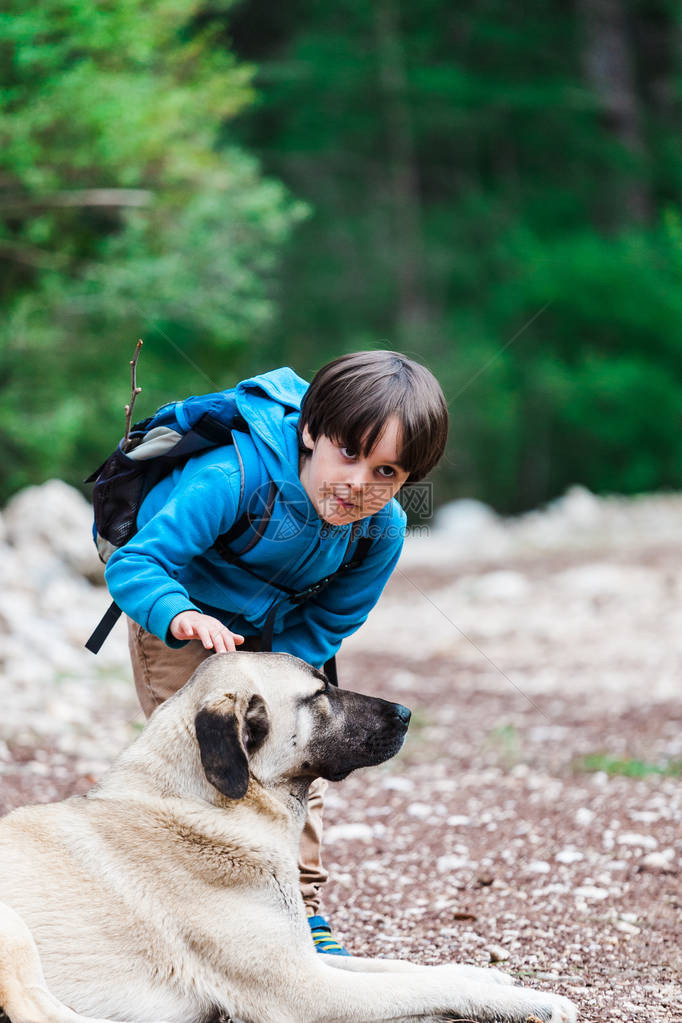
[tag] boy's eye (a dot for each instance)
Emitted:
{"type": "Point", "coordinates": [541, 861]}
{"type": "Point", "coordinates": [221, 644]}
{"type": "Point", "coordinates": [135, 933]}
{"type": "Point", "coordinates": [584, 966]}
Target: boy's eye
{"type": "Point", "coordinates": [386, 471]}
{"type": "Point", "coordinates": [348, 452]}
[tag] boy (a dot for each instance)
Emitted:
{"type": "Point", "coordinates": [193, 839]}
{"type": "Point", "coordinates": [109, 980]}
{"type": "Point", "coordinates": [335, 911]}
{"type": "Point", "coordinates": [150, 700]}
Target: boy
{"type": "Point", "coordinates": [368, 423]}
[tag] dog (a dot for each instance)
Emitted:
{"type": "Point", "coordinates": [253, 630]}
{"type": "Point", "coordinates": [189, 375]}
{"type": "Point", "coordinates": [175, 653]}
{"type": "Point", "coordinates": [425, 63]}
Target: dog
{"type": "Point", "coordinates": [169, 892]}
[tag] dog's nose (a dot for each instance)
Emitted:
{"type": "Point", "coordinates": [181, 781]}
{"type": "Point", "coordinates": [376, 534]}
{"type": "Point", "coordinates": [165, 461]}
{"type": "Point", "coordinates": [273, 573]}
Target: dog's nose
{"type": "Point", "coordinates": [404, 713]}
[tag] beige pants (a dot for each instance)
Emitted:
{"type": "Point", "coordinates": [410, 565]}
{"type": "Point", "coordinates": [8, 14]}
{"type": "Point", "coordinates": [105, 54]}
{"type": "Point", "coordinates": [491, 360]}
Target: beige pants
{"type": "Point", "coordinates": [159, 671]}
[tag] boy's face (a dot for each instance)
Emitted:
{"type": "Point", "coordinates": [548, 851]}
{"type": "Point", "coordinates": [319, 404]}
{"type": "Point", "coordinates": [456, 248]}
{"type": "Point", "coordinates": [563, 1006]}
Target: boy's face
{"type": "Point", "coordinates": [344, 485]}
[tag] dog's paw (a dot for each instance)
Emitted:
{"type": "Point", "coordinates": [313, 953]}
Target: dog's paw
{"type": "Point", "coordinates": [552, 1009]}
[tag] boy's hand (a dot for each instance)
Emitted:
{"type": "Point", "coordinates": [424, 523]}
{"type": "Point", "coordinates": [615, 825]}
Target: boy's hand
{"type": "Point", "coordinates": [210, 631]}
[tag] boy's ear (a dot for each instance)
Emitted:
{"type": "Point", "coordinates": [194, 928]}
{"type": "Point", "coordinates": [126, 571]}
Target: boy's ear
{"type": "Point", "coordinates": [306, 438]}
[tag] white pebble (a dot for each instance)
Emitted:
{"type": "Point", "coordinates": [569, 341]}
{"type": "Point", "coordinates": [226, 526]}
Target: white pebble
{"type": "Point", "coordinates": [349, 833]}
{"type": "Point", "coordinates": [398, 783]}
{"type": "Point", "coordinates": [632, 838]}
{"type": "Point", "coordinates": [626, 928]}
{"type": "Point", "coordinates": [589, 891]}
{"type": "Point", "coordinates": [420, 810]}
{"type": "Point", "coordinates": [569, 856]}
{"type": "Point", "coordinates": [444, 864]}
{"type": "Point", "coordinates": [538, 867]}
{"type": "Point", "coordinates": [661, 862]}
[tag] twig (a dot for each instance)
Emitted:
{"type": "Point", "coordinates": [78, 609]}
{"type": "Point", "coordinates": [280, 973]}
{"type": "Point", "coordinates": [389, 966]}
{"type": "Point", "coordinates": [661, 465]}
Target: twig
{"type": "Point", "coordinates": [134, 391]}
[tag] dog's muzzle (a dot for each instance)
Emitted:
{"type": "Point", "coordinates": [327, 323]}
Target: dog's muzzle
{"type": "Point", "coordinates": [374, 730]}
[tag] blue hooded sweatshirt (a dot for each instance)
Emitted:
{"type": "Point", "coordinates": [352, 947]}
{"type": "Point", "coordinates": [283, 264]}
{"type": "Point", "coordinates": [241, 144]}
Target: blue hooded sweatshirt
{"type": "Point", "coordinates": [170, 565]}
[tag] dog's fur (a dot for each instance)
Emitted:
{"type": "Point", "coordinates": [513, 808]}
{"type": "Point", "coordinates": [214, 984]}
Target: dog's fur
{"type": "Point", "coordinates": [170, 891]}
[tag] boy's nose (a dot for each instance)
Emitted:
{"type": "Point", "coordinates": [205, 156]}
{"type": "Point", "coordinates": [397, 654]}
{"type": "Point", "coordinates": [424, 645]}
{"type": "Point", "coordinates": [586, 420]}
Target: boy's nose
{"type": "Point", "coordinates": [355, 477]}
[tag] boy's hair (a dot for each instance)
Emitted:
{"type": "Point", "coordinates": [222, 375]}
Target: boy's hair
{"type": "Point", "coordinates": [351, 398]}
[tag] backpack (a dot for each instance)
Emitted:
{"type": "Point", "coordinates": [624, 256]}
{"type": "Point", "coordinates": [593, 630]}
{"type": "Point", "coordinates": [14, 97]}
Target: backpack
{"type": "Point", "coordinates": [154, 447]}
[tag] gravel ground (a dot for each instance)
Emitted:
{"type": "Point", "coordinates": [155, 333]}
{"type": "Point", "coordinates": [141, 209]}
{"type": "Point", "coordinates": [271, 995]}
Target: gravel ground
{"type": "Point", "coordinates": [534, 815]}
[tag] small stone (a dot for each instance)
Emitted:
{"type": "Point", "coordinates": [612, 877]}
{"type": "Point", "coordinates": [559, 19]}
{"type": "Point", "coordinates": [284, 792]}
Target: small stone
{"type": "Point", "coordinates": [626, 928]}
{"type": "Point", "coordinates": [398, 783]}
{"type": "Point", "coordinates": [589, 891]}
{"type": "Point", "coordinates": [498, 954]}
{"type": "Point", "coordinates": [642, 841]}
{"type": "Point", "coordinates": [484, 880]}
{"type": "Point", "coordinates": [645, 816]}
{"type": "Point", "coordinates": [444, 864]}
{"type": "Point", "coordinates": [349, 833]}
{"type": "Point", "coordinates": [420, 810]}
{"type": "Point", "coordinates": [538, 867]}
{"type": "Point", "coordinates": [659, 862]}
{"type": "Point", "coordinates": [569, 856]}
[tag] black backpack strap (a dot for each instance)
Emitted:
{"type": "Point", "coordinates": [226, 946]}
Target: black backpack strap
{"type": "Point", "coordinates": [268, 629]}
{"type": "Point", "coordinates": [106, 624]}
{"type": "Point", "coordinates": [250, 519]}
{"type": "Point", "coordinates": [299, 597]}
{"type": "Point", "coordinates": [361, 552]}
{"type": "Point", "coordinates": [331, 672]}
{"type": "Point", "coordinates": [217, 432]}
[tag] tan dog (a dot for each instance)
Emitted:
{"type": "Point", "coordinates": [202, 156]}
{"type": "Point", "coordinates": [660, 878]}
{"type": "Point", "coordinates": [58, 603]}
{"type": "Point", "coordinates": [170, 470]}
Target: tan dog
{"type": "Point", "coordinates": [170, 891]}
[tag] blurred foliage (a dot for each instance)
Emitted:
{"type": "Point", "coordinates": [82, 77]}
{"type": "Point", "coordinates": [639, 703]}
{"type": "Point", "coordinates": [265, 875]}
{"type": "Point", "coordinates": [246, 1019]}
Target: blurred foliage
{"type": "Point", "coordinates": [627, 767]}
{"type": "Point", "coordinates": [120, 217]}
{"type": "Point", "coordinates": [494, 189]}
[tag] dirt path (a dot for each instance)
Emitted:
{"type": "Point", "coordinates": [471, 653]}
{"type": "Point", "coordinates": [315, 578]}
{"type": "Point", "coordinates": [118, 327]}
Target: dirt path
{"type": "Point", "coordinates": [534, 816]}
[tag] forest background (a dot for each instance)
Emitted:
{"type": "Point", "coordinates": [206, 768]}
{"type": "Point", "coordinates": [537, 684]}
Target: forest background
{"type": "Point", "coordinates": [492, 188]}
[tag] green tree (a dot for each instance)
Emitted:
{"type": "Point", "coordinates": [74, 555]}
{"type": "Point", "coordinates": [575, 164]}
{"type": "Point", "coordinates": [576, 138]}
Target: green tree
{"type": "Point", "coordinates": [126, 209]}
{"type": "Point", "coordinates": [494, 189]}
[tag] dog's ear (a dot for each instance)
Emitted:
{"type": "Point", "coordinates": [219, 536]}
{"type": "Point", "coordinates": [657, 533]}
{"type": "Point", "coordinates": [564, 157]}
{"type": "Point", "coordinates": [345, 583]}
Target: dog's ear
{"type": "Point", "coordinates": [223, 756]}
{"type": "Point", "coordinates": [227, 732]}
{"type": "Point", "coordinates": [256, 724]}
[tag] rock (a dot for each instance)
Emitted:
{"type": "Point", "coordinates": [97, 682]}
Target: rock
{"type": "Point", "coordinates": [603, 579]}
{"type": "Point", "coordinates": [578, 507]}
{"type": "Point", "coordinates": [634, 839]}
{"type": "Point", "coordinates": [465, 518]}
{"type": "Point", "coordinates": [458, 820]}
{"type": "Point", "coordinates": [625, 927]}
{"type": "Point", "coordinates": [502, 585]}
{"type": "Point", "coordinates": [497, 953]}
{"type": "Point", "coordinates": [662, 862]}
{"type": "Point", "coordinates": [538, 867]}
{"type": "Point", "coordinates": [57, 517]}
{"type": "Point", "coordinates": [349, 833]}
{"type": "Point", "coordinates": [645, 816]}
{"type": "Point", "coordinates": [590, 891]}
{"type": "Point", "coordinates": [444, 864]}
{"type": "Point", "coordinates": [398, 783]}
{"type": "Point", "coordinates": [421, 810]}
{"type": "Point", "coordinates": [569, 856]}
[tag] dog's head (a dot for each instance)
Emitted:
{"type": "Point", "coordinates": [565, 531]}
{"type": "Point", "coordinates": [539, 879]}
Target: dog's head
{"type": "Point", "coordinates": [276, 718]}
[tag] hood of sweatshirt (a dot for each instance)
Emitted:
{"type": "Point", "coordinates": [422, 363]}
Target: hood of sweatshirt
{"type": "Point", "coordinates": [265, 401]}
{"type": "Point", "coordinates": [271, 404]}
